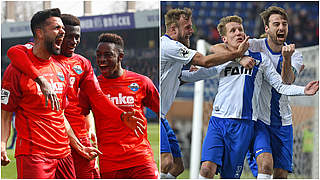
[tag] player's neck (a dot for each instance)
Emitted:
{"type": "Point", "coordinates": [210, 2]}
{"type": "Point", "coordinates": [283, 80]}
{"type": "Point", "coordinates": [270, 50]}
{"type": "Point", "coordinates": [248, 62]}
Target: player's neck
{"type": "Point", "coordinates": [40, 51]}
{"type": "Point", "coordinates": [172, 35]}
{"type": "Point", "coordinates": [274, 47]}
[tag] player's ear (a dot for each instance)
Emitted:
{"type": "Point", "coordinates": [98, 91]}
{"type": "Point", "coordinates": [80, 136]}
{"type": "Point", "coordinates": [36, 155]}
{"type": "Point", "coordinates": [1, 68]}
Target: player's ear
{"type": "Point", "coordinates": [121, 55]}
{"type": "Point", "coordinates": [39, 33]}
{"type": "Point", "coordinates": [266, 28]}
{"type": "Point", "coordinates": [224, 39]}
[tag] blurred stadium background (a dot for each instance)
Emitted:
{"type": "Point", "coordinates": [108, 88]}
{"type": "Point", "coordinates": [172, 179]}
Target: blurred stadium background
{"type": "Point", "coordinates": [303, 31]}
{"type": "Point", "coordinates": [137, 22]}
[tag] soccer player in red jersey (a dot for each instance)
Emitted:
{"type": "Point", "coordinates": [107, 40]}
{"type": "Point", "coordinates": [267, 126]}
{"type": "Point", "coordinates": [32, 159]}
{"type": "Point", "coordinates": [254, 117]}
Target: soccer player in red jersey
{"type": "Point", "coordinates": [81, 75]}
{"type": "Point", "coordinates": [123, 154]}
{"type": "Point", "coordinates": [42, 147]}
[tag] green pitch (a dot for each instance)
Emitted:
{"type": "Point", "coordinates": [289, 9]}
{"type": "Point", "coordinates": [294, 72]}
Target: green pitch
{"type": "Point", "coordinates": [10, 171]}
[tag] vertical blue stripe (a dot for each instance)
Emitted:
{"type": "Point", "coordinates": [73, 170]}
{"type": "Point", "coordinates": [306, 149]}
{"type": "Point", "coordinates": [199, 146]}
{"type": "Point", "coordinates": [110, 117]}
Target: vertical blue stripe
{"type": "Point", "coordinates": [249, 88]}
{"type": "Point", "coordinates": [275, 116]}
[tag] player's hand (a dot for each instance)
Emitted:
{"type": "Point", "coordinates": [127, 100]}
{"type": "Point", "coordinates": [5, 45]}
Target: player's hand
{"type": "Point", "coordinates": [4, 158]}
{"type": "Point", "coordinates": [93, 137]}
{"type": "Point", "coordinates": [193, 68]}
{"type": "Point", "coordinates": [288, 50]}
{"type": "Point", "coordinates": [311, 88]}
{"type": "Point", "coordinates": [133, 122]}
{"type": "Point", "coordinates": [48, 92]}
{"type": "Point", "coordinates": [89, 153]}
{"type": "Point", "coordinates": [243, 47]}
{"type": "Point", "coordinates": [247, 62]}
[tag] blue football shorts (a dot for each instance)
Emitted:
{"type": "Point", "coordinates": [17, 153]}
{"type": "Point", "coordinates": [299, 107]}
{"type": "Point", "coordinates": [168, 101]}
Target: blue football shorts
{"type": "Point", "coordinates": [168, 140]}
{"type": "Point", "coordinates": [226, 144]}
{"type": "Point", "coordinates": [277, 140]}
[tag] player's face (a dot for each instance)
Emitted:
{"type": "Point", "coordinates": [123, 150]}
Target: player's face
{"type": "Point", "coordinates": [70, 40]}
{"type": "Point", "coordinates": [185, 31]}
{"type": "Point", "coordinates": [53, 35]}
{"type": "Point", "coordinates": [108, 59]}
{"type": "Point", "coordinates": [234, 35]}
{"type": "Point", "coordinates": [278, 29]}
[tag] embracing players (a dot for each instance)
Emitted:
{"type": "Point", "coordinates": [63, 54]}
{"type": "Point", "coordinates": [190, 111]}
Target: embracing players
{"type": "Point", "coordinates": [174, 54]}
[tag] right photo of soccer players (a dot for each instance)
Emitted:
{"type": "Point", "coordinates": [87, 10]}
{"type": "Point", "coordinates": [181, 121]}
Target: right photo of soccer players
{"type": "Point", "coordinates": [239, 90]}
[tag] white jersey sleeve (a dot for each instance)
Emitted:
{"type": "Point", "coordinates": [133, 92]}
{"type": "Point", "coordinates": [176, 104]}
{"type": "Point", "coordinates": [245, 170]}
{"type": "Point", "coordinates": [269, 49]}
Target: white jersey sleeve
{"type": "Point", "coordinates": [256, 45]}
{"type": "Point", "coordinates": [200, 74]}
{"type": "Point", "coordinates": [296, 62]}
{"type": "Point", "coordinates": [274, 79]}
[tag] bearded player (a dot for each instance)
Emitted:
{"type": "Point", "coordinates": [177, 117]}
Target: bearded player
{"type": "Point", "coordinates": [124, 155]}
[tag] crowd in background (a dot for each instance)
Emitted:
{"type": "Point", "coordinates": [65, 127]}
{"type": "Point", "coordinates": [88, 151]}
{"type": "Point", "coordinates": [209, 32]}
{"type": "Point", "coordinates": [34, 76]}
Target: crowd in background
{"type": "Point", "coordinates": [303, 19]}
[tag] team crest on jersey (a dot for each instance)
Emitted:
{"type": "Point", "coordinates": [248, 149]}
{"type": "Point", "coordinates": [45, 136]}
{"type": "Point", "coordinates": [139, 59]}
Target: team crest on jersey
{"type": "Point", "coordinates": [77, 69]}
{"type": "Point", "coordinates": [184, 52]}
{"type": "Point", "coordinates": [134, 87]}
{"type": "Point", "coordinates": [60, 76]}
{"type": "Point", "coordinates": [5, 96]}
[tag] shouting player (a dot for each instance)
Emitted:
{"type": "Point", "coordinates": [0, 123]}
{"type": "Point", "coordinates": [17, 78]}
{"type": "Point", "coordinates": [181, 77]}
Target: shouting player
{"type": "Point", "coordinates": [125, 156]}
{"type": "Point", "coordinates": [42, 148]}
{"type": "Point", "coordinates": [81, 75]}
{"type": "Point", "coordinates": [274, 140]}
{"type": "Point", "coordinates": [231, 127]}
{"type": "Point", "coordinates": [174, 54]}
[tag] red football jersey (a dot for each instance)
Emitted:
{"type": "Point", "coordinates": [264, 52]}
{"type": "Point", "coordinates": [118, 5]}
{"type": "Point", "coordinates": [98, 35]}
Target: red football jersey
{"type": "Point", "coordinates": [81, 76]}
{"type": "Point", "coordinates": [119, 145]}
{"type": "Point", "coordinates": [40, 130]}
{"type": "Point", "coordinates": [80, 70]}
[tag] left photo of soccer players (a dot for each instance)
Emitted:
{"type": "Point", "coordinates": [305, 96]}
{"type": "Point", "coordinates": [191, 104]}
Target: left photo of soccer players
{"type": "Point", "coordinates": [80, 90]}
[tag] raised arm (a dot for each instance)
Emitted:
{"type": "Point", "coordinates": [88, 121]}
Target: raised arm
{"type": "Point", "coordinates": [6, 118]}
{"type": "Point", "coordinates": [245, 61]}
{"type": "Point", "coordinates": [220, 57]}
{"type": "Point", "coordinates": [288, 72]}
{"type": "Point", "coordinates": [19, 59]}
{"type": "Point", "coordinates": [274, 79]}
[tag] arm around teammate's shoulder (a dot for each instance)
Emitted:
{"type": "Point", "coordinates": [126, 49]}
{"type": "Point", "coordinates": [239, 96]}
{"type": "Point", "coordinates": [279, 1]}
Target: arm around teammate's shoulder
{"type": "Point", "coordinates": [220, 57]}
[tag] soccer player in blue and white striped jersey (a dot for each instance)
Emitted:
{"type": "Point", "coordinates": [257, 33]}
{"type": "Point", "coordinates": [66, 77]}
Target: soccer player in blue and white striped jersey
{"type": "Point", "coordinates": [235, 109]}
{"type": "Point", "coordinates": [175, 53]}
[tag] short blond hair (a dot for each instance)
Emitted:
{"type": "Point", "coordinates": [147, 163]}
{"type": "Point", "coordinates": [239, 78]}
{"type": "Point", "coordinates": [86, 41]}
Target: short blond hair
{"type": "Point", "coordinates": [265, 15]}
{"type": "Point", "coordinates": [225, 20]}
{"type": "Point", "coordinates": [173, 16]}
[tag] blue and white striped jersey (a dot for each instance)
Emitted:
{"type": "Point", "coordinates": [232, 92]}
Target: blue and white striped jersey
{"type": "Point", "coordinates": [274, 108]}
{"type": "Point", "coordinates": [173, 56]}
{"type": "Point", "coordinates": [239, 88]}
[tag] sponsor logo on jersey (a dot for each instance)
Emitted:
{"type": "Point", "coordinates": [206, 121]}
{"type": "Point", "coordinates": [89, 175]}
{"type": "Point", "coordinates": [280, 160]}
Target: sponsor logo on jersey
{"type": "Point", "coordinates": [134, 87]}
{"type": "Point", "coordinates": [236, 70]}
{"type": "Point", "coordinates": [57, 87]}
{"type": "Point", "coordinates": [77, 69]}
{"type": "Point", "coordinates": [5, 94]}
{"type": "Point", "coordinates": [60, 76]}
{"type": "Point", "coordinates": [72, 80]}
{"type": "Point", "coordinates": [122, 100]}
{"type": "Point", "coordinates": [184, 52]}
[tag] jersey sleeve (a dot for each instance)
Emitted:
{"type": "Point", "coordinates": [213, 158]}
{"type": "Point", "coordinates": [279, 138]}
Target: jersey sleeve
{"type": "Point", "coordinates": [84, 103]}
{"type": "Point", "coordinates": [200, 74]}
{"type": "Point", "coordinates": [10, 89]}
{"type": "Point", "coordinates": [90, 85]}
{"type": "Point", "coordinates": [175, 51]}
{"type": "Point", "coordinates": [256, 45]}
{"type": "Point", "coordinates": [19, 59]}
{"type": "Point", "coordinates": [274, 79]}
{"type": "Point", "coordinates": [296, 62]}
{"type": "Point", "coordinates": [151, 99]}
